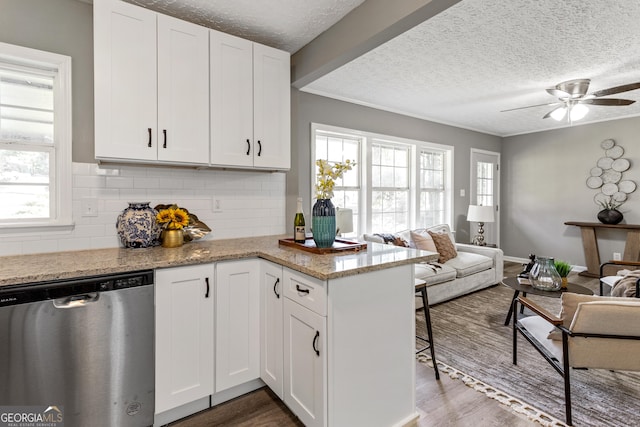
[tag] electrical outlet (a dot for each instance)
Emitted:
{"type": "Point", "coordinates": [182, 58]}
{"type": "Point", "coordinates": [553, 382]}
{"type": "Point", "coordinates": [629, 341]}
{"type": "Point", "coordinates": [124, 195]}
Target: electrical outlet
{"type": "Point", "coordinates": [462, 192]}
{"type": "Point", "coordinates": [217, 205]}
{"type": "Point", "coordinates": [617, 256]}
{"type": "Point", "coordinates": [89, 206]}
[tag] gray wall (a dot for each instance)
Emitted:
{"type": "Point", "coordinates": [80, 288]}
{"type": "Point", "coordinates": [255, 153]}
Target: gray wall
{"type": "Point", "coordinates": [64, 27]}
{"type": "Point", "coordinates": [307, 108]}
{"type": "Point", "coordinates": [544, 184]}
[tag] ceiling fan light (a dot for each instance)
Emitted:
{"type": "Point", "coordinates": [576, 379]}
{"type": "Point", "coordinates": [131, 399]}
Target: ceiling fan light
{"type": "Point", "coordinates": [578, 112]}
{"type": "Point", "coordinates": [559, 113]}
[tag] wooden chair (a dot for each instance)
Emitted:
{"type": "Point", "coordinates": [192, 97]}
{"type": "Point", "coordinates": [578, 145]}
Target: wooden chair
{"type": "Point", "coordinates": [595, 332]}
{"type": "Point", "coordinates": [611, 280]}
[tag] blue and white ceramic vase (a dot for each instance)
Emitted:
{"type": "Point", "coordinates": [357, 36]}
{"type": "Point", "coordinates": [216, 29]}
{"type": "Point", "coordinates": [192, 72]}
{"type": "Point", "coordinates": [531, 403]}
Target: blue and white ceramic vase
{"type": "Point", "coordinates": [137, 226]}
{"type": "Point", "coordinates": [323, 223]}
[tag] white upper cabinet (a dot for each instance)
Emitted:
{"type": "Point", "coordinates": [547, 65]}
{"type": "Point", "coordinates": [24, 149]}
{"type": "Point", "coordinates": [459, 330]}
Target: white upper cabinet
{"type": "Point", "coordinates": [151, 86]}
{"type": "Point", "coordinates": [250, 104]}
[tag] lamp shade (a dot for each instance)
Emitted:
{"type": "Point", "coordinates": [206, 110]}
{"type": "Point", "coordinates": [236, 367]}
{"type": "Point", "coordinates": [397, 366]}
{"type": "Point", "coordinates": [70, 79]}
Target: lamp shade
{"type": "Point", "coordinates": [480, 213]}
{"type": "Point", "coordinates": [344, 220]}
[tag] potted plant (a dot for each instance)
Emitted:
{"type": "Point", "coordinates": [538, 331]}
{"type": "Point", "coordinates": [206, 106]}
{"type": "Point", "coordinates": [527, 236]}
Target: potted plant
{"type": "Point", "coordinates": [323, 217]}
{"type": "Point", "coordinates": [563, 268]}
{"type": "Point", "coordinates": [610, 213]}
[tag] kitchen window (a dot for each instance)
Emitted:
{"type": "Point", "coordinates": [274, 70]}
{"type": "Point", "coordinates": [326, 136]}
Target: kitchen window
{"type": "Point", "coordinates": [398, 184]}
{"type": "Point", "coordinates": [35, 138]}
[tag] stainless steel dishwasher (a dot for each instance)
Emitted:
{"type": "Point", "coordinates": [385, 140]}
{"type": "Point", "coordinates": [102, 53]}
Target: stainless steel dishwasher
{"type": "Point", "coordinates": [85, 346]}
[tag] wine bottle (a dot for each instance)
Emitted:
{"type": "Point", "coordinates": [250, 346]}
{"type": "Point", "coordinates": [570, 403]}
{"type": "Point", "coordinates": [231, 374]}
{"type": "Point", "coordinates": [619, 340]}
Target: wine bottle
{"type": "Point", "coordinates": [299, 234]}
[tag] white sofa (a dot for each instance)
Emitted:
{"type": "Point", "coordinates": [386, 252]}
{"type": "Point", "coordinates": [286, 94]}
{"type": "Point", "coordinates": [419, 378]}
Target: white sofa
{"type": "Point", "coordinates": [474, 267]}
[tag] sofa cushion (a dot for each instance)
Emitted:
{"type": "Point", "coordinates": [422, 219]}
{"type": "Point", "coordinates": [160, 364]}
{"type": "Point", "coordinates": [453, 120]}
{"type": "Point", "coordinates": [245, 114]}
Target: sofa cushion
{"type": "Point", "coordinates": [433, 273]}
{"type": "Point", "coordinates": [443, 229]}
{"type": "Point", "coordinates": [446, 248]}
{"type": "Point", "coordinates": [423, 241]}
{"type": "Point", "coordinates": [467, 263]}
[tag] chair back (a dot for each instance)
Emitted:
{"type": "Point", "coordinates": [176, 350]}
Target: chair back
{"type": "Point", "coordinates": [606, 317]}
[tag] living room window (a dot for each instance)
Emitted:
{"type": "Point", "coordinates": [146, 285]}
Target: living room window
{"type": "Point", "coordinates": [398, 183]}
{"type": "Point", "coordinates": [35, 138]}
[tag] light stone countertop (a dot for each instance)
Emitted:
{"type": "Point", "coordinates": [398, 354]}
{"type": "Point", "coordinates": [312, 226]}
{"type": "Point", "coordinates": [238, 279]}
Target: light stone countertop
{"type": "Point", "coordinates": [20, 269]}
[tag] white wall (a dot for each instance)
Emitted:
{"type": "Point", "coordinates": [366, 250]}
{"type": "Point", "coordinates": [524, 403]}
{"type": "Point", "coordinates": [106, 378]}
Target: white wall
{"type": "Point", "coordinates": [253, 204]}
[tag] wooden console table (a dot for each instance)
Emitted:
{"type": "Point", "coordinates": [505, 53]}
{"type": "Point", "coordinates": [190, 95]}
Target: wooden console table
{"type": "Point", "coordinates": [590, 244]}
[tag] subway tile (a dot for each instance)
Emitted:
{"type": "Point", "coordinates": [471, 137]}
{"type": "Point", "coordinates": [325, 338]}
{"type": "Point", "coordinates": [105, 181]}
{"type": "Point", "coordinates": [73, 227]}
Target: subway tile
{"type": "Point", "coordinates": [119, 182]}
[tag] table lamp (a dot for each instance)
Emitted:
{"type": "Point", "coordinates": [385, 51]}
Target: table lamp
{"type": "Point", "coordinates": [344, 221]}
{"type": "Point", "coordinates": [480, 214]}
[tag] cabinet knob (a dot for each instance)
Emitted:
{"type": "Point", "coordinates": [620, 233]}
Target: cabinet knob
{"type": "Point", "coordinates": [275, 285]}
{"type": "Point", "coordinates": [248, 147]}
{"type": "Point", "coordinates": [149, 144]}
{"type": "Point", "coordinates": [315, 340]}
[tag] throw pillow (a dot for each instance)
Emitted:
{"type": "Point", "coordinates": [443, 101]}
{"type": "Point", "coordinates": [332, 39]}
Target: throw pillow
{"type": "Point", "coordinates": [393, 239]}
{"type": "Point", "coordinates": [445, 247]}
{"type": "Point", "coordinates": [423, 241]}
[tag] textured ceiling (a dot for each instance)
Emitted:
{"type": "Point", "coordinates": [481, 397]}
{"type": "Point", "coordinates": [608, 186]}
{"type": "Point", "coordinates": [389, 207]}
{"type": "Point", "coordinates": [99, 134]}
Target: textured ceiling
{"type": "Point", "coordinates": [479, 57]}
{"type": "Point", "coordinates": [461, 67]}
{"type": "Point", "coordinates": [283, 24]}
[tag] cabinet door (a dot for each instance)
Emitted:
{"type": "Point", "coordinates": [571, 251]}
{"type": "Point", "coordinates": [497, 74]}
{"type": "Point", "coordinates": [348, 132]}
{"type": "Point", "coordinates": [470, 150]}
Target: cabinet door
{"type": "Point", "coordinates": [271, 332]}
{"type": "Point", "coordinates": [272, 100]}
{"type": "Point", "coordinates": [184, 335]}
{"type": "Point", "coordinates": [183, 91]}
{"type": "Point", "coordinates": [305, 363]}
{"type": "Point", "coordinates": [232, 141]}
{"type": "Point", "coordinates": [125, 81]}
{"type": "Point", "coordinates": [237, 323]}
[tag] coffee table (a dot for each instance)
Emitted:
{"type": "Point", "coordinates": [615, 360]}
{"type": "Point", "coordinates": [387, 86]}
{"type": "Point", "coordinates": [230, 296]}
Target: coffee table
{"type": "Point", "coordinates": [512, 282]}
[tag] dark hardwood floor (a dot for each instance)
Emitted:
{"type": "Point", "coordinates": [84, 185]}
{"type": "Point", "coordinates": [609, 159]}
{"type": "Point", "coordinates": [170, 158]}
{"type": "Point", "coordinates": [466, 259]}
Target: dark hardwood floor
{"type": "Point", "coordinates": [444, 403]}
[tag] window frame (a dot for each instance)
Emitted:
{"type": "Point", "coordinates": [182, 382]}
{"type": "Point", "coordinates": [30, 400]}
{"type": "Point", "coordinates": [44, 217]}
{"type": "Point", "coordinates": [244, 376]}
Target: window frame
{"type": "Point", "coordinates": [365, 199]}
{"type": "Point", "coordinates": [60, 183]}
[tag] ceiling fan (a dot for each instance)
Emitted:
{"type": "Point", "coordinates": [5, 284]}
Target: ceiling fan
{"type": "Point", "coordinates": [573, 99]}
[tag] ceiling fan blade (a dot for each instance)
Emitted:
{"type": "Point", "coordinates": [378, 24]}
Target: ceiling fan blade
{"type": "Point", "coordinates": [546, 116]}
{"type": "Point", "coordinates": [531, 106]}
{"type": "Point", "coordinates": [558, 93]}
{"type": "Point", "coordinates": [617, 89]}
{"type": "Point", "coordinates": [607, 101]}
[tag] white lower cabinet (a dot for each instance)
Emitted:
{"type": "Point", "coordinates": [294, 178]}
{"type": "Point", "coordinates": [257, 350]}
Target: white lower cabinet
{"type": "Point", "coordinates": [184, 335]}
{"type": "Point", "coordinates": [271, 327]}
{"type": "Point", "coordinates": [237, 331]}
{"type": "Point", "coordinates": [305, 353]}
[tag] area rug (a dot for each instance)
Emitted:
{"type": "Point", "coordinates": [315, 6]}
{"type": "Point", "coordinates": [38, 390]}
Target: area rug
{"type": "Point", "coordinates": [469, 333]}
{"type": "Point", "coordinates": [515, 404]}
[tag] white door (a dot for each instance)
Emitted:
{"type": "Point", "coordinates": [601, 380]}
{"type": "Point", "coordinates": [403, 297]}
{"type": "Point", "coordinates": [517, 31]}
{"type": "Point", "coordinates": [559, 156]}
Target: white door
{"type": "Point", "coordinates": [237, 323]}
{"type": "Point", "coordinates": [485, 191]}
{"type": "Point", "coordinates": [183, 91]}
{"type": "Point", "coordinates": [125, 81]}
{"type": "Point", "coordinates": [271, 327]}
{"type": "Point", "coordinates": [232, 141]}
{"type": "Point", "coordinates": [272, 105]}
{"type": "Point", "coordinates": [184, 335]}
{"type": "Point", "coordinates": [305, 364]}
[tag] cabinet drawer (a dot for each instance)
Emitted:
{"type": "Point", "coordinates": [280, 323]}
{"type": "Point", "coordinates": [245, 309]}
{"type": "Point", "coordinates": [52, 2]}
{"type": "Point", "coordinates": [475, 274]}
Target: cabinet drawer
{"type": "Point", "coordinates": [306, 291]}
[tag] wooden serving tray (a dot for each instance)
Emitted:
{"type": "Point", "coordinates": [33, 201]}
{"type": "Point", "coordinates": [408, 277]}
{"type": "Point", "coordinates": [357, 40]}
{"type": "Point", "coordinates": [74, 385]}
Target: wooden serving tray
{"type": "Point", "coordinates": [340, 245]}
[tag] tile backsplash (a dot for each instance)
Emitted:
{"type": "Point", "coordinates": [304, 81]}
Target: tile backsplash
{"type": "Point", "coordinates": [249, 204]}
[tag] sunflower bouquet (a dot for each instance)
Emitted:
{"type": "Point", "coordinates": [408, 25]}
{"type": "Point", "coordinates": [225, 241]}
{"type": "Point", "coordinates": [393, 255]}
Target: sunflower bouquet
{"type": "Point", "coordinates": [173, 218]}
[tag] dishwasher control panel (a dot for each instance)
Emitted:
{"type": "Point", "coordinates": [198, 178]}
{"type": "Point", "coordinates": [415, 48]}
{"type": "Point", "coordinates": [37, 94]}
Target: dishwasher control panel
{"type": "Point", "coordinates": [39, 291]}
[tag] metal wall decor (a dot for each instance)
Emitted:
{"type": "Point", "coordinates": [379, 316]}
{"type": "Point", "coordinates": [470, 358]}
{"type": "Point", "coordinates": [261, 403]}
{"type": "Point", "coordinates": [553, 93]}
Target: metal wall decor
{"type": "Point", "coordinates": [607, 176]}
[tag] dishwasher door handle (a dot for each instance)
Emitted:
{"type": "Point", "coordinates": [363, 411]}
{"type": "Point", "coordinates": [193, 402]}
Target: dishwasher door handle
{"type": "Point", "coordinates": [75, 301]}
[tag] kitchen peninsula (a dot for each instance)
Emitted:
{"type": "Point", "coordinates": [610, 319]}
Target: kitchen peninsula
{"type": "Point", "coordinates": [334, 333]}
